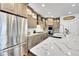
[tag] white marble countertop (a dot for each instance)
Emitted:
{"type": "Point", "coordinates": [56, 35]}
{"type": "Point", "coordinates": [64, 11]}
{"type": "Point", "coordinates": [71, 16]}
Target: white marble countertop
{"type": "Point", "coordinates": [68, 46]}
{"type": "Point", "coordinates": [36, 33]}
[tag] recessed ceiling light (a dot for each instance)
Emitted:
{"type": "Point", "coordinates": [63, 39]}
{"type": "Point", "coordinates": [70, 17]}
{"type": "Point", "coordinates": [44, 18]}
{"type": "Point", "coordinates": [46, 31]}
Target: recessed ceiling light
{"type": "Point", "coordinates": [69, 53]}
{"type": "Point", "coordinates": [69, 12]}
{"type": "Point", "coordinates": [52, 47]}
{"type": "Point", "coordinates": [43, 5]}
{"type": "Point", "coordinates": [52, 16]}
{"type": "Point", "coordinates": [73, 5]}
{"type": "Point", "coordinates": [48, 53]}
{"type": "Point", "coordinates": [48, 12]}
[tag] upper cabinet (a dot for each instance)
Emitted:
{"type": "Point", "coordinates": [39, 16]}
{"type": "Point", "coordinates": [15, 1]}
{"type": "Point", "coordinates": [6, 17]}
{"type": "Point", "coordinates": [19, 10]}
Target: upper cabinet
{"type": "Point", "coordinates": [16, 8]}
{"type": "Point", "coordinates": [29, 11]}
{"type": "Point", "coordinates": [49, 22]}
{"type": "Point", "coordinates": [7, 7]}
{"type": "Point", "coordinates": [43, 24]}
{"type": "Point", "coordinates": [32, 18]}
{"type": "Point", "coordinates": [31, 22]}
{"type": "Point", "coordinates": [21, 9]}
{"type": "Point", "coordinates": [56, 25]}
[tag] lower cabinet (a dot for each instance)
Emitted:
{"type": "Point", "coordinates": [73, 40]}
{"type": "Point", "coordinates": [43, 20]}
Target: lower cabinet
{"type": "Point", "coordinates": [44, 36]}
{"type": "Point", "coordinates": [7, 7]}
{"type": "Point", "coordinates": [36, 39]}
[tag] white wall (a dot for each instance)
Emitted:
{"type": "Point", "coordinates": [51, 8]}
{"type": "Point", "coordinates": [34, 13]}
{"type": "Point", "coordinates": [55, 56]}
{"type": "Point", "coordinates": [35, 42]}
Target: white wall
{"type": "Point", "coordinates": [71, 25]}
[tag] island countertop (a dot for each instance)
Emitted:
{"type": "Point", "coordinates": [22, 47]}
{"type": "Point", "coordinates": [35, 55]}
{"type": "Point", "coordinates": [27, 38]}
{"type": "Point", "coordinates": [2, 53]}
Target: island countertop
{"type": "Point", "coordinates": [57, 47]}
{"type": "Point", "coordinates": [36, 33]}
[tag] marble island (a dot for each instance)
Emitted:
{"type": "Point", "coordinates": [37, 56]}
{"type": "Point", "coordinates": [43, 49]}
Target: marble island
{"type": "Point", "coordinates": [66, 46]}
{"type": "Point", "coordinates": [39, 33]}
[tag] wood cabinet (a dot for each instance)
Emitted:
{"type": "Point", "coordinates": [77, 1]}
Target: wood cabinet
{"type": "Point", "coordinates": [50, 22]}
{"type": "Point", "coordinates": [32, 23]}
{"type": "Point", "coordinates": [44, 25]}
{"type": "Point", "coordinates": [32, 41]}
{"type": "Point", "coordinates": [16, 8]}
{"type": "Point", "coordinates": [56, 25]}
{"type": "Point", "coordinates": [41, 23]}
{"type": "Point", "coordinates": [7, 7]}
{"type": "Point", "coordinates": [36, 39]}
{"type": "Point", "coordinates": [44, 36]}
{"type": "Point", "coordinates": [21, 9]}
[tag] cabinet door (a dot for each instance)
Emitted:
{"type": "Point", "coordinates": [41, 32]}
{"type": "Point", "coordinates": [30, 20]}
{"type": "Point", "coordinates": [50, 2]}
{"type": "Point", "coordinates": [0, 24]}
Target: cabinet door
{"type": "Point", "coordinates": [16, 8]}
{"type": "Point", "coordinates": [31, 42]}
{"type": "Point", "coordinates": [38, 38]}
{"type": "Point", "coordinates": [7, 7]}
{"type": "Point", "coordinates": [34, 40]}
{"type": "Point", "coordinates": [32, 22]}
{"type": "Point", "coordinates": [22, 9]}
{"type": "Point", "coordinates": [56, 25]}
{"type": "Point", "coordinates": [45, 35]}
{"type": "Point", "coordinates": [44, 25]}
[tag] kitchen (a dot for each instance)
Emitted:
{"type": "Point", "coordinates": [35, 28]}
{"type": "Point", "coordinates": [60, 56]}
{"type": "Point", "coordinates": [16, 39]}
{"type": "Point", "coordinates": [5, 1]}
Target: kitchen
{"type": "Point", "coordinates": [39, 29]}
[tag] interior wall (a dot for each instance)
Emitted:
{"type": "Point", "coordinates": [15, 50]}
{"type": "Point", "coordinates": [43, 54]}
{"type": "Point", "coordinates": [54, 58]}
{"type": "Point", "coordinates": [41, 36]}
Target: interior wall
{"type": "Point", "coordinates": [71, 25]}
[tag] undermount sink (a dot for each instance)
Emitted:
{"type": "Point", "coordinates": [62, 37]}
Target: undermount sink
{"type": "Point", "coordinates": [58, 35]}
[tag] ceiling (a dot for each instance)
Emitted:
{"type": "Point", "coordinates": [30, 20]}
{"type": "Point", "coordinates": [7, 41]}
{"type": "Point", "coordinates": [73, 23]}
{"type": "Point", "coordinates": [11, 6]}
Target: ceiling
{"type": "Point", "coordinates": [55, 9]}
